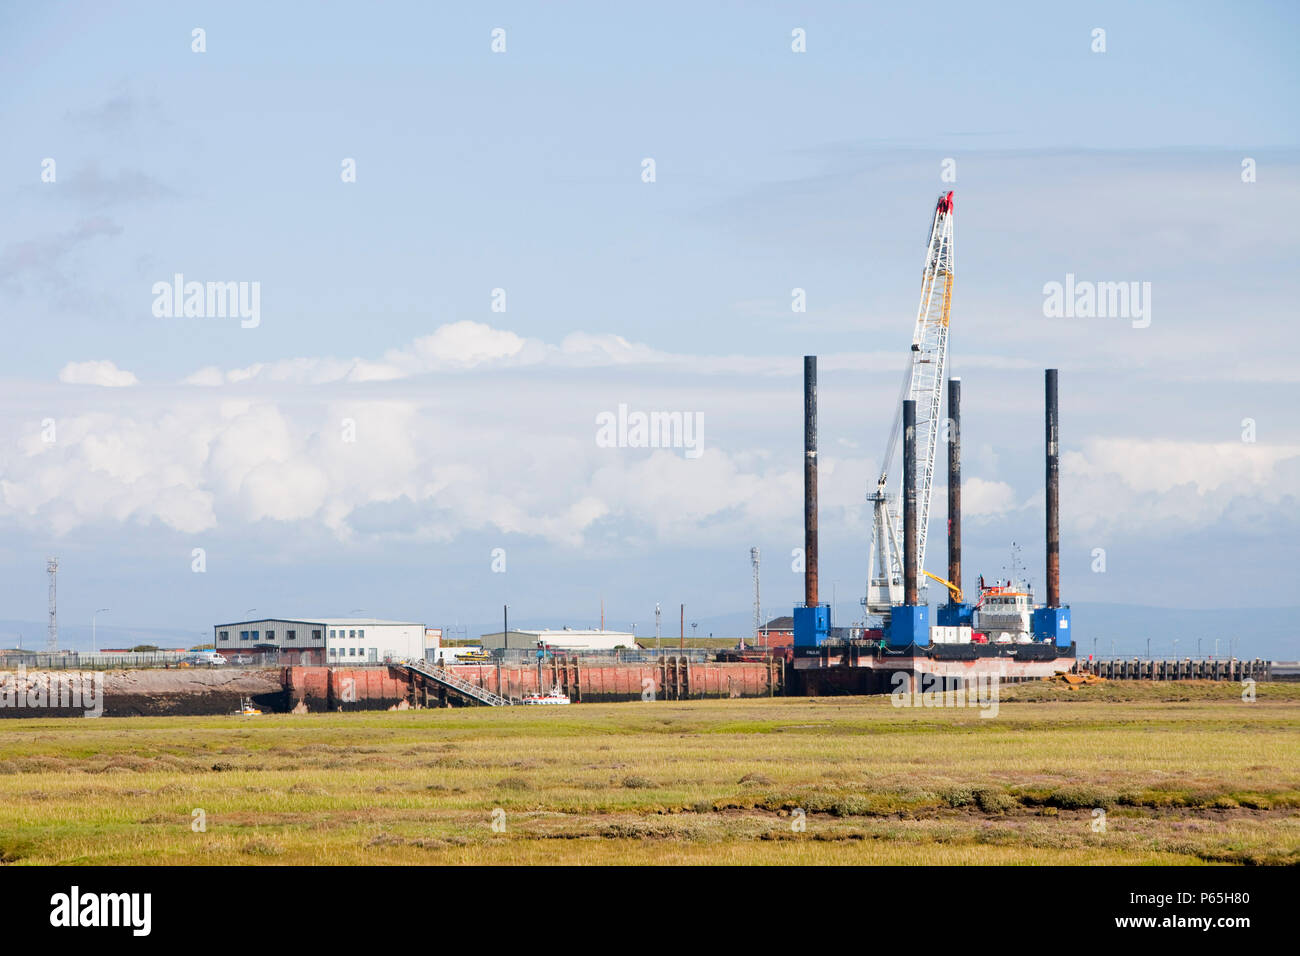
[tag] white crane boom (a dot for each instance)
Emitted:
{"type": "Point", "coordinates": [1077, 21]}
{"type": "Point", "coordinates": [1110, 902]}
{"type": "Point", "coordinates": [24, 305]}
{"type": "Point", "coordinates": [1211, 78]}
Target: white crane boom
{"type": "Point", "coordinates": [923, 383]}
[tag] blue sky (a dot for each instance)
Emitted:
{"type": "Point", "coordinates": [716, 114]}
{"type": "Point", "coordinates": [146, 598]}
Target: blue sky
{"type": "Point", "coordinates": [522, 171]}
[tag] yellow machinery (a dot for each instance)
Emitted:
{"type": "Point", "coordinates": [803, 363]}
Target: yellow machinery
{"type": "Point", "coordinates": [952, 588]}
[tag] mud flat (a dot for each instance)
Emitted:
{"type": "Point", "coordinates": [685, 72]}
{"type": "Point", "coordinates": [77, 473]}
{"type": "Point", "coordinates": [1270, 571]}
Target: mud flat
{"type": "Point", "coordinates": [134, 693]}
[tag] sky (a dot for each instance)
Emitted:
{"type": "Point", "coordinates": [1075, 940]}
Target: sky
{"type": "Point", "coordinates": [407, 428]}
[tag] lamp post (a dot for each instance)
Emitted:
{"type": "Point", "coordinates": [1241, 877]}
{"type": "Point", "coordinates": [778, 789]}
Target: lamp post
{"type": "Point", "coordinates": [94, 644]}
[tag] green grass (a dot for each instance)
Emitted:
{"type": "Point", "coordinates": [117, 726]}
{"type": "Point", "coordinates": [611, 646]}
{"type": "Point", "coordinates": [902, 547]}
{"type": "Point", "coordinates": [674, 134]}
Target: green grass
{"type": "Point", "coordinates": [1186, 773]}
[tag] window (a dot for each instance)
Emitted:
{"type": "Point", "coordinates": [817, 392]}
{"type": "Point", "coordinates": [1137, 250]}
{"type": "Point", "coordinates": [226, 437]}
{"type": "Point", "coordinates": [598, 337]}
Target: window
{"type": "Point", "coordinates": [223, 635]}
{"type": "Point", "coordinates": [290, 635]}
{"type": "Point", "coordinates": [270, 635]}
{"type": "Point", "coordinates": [315, 635]}
{"type": "Point", "coordinates": [255, 635]}
{"type": "Point", "coordinates": [361, 634]}
{"type": "Point", "coordinates": [352, 652]}
{"type": "Point", "coordinates": [352, 633]}
{"type": "Point", "coordinates": [332, 652]}
{"type": "Point", "coordinates": [333, 633]}
{"type": "Point", "coordinates": [243, 635]}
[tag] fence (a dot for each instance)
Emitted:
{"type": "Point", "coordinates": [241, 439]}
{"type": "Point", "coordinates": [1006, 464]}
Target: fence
{"type": "Point", "coordinates": [1220, 669]}
{"type": "Point", "coordinates": [125, 660]}
{"type": "Point", "coordinates": [519, 656]}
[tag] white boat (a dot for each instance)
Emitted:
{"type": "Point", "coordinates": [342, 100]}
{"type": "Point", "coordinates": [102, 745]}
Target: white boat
{"type": "Point", "coordinates": [552, 697]}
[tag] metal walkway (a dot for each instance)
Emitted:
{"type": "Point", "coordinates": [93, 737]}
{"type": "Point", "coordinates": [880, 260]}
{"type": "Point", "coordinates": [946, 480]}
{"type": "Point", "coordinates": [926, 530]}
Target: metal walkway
{"type": "Point", "coordinates": [461, 686]}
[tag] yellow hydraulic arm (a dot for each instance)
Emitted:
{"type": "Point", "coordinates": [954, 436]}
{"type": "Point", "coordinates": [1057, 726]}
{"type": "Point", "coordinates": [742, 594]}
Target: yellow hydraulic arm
{"type": "Point", "coordinates": [952, 588]}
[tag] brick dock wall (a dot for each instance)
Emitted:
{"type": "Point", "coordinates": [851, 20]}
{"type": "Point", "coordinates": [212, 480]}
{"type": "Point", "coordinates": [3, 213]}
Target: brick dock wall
{"type": "Point", "coordinates": [379, 688]}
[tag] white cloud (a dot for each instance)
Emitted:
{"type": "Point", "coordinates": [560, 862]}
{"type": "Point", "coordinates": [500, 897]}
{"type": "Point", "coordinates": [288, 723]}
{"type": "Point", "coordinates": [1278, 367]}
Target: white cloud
{"type": "Point", "coordinates": [459, 346]}
{"type": "Point", "coordinates": [984, 499]}
{"type": "Point", "coordinates": [1161, 464]}
{"type": "Point", "coordinates": [96, 372]}
{"type": "Point", "coordinates": [1153, 487]}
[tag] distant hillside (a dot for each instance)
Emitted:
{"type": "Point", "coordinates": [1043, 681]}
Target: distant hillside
{"type": "Point", "coordinates": [76, 637]}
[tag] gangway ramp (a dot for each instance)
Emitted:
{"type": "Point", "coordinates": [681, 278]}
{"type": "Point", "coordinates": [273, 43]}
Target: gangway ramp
{"type": "Point", "coordinates": [457, 685]}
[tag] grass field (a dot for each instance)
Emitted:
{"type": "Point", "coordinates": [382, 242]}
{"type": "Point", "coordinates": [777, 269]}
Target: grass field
{"type": "Point", "coordinates": [1186, 773]}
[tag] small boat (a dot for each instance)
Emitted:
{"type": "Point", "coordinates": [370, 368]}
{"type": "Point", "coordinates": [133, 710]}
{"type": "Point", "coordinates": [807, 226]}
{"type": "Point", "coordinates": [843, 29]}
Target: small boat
{"type": "Point", "coordinates": [552, 697]}
{"type": "Point", "coordinates": [246, 708]}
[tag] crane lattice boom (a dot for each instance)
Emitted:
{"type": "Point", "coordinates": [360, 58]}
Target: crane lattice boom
{"type": "Point", "coordinates": [923, 383]}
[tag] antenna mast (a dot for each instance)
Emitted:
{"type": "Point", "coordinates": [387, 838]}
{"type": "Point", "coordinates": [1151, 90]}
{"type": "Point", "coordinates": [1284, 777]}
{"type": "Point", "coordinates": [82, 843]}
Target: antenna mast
{"type": "Point", "coordinates": [52, 640]}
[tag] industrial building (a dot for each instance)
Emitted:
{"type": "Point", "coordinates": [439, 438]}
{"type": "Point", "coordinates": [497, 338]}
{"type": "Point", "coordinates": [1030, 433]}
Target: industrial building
{"type": "Point", "coordinates": [778, 632]}
{"type": "Point", "coordinates": [320, 641]}
{"type": "Point", "coordinates": [561, 639]}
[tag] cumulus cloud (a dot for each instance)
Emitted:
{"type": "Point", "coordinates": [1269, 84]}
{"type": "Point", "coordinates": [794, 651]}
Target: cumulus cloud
{"type": "Point", "coordinates": [985, 499]}
{"type": "Point", "coordinates": [464, 345]}
{"type": "Point", "coordinates": [96, 372]}
{"type": "Point", "coordinates": [1123, 485]}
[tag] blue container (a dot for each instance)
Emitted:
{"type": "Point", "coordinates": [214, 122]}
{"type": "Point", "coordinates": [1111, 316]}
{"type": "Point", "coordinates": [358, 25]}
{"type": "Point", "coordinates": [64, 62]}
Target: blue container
{"type": "Point", "coordinates": [1053, 624]}
{"type": "Point", "coordinates": [908, 624]}
{"type": "Point", "coordinates": [812, 625]}
{"type": "Point", "coordinates": [955, 615]}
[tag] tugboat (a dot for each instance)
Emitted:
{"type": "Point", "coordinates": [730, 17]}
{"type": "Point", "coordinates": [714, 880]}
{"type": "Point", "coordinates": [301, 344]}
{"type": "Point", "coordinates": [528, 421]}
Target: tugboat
{"type": "Point", "coordinates": [1004, 614]}
{"type": "Point", "coordinates": [246, 708]}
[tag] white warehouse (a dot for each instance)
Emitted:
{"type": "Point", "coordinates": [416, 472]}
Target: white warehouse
{"type": "Point", "coordinates": [565, 639]}
{"type": "Point", "coordinates": [318, 641]}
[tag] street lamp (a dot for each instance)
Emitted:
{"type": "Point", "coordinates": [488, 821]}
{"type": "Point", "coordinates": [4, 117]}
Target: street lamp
{"type": "Point", "coordinates": [94, 645]}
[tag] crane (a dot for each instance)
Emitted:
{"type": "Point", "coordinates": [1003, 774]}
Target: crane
{"type": "Point", "coordinates": [923, 383]}
{"type": "Point", "coordinates": [952, 588]}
